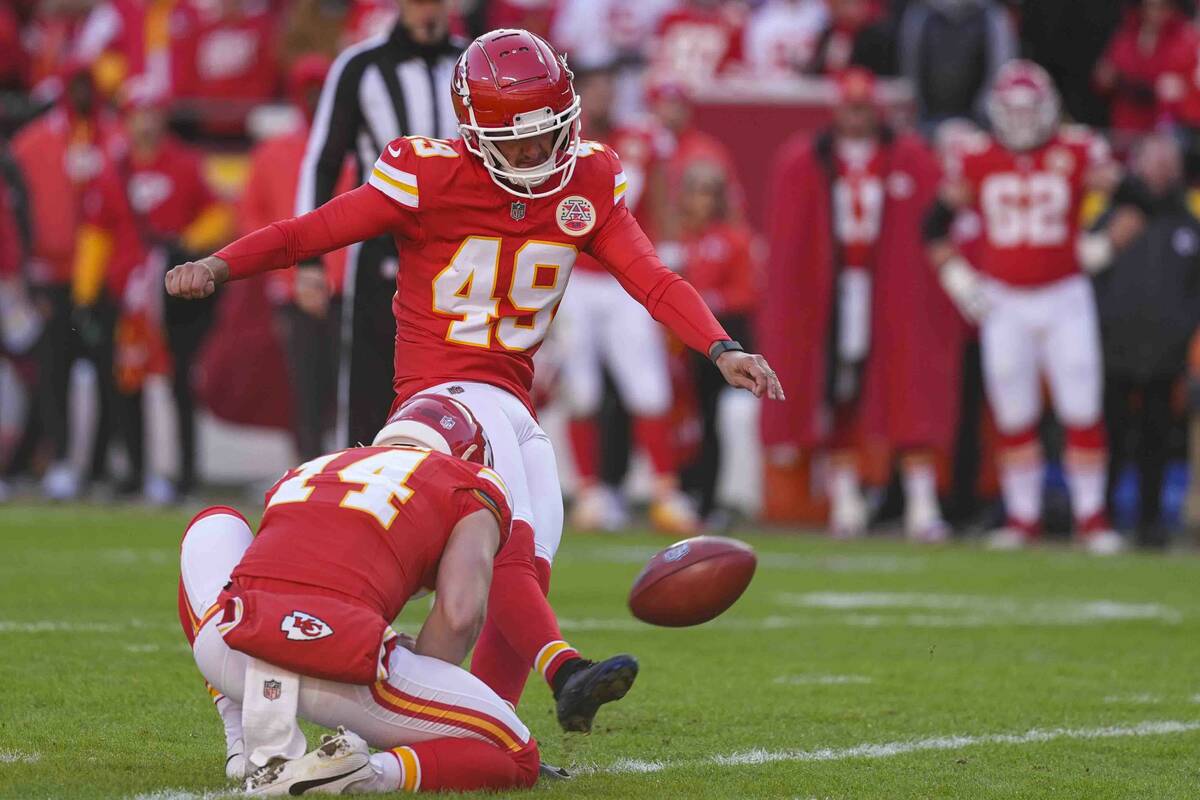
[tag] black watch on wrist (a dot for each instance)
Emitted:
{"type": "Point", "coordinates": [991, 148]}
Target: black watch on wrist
{"type": "Point", "coordinates": [723, 346]}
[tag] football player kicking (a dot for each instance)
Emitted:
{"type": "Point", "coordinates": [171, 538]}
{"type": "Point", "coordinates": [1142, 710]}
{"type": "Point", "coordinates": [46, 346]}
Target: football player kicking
{"type": "Point", "coordinates": [488, 227]}
{"type": "Point", "coordinates": [296, 620]}
{"type": "Point", "coordinates": [1034, 305]}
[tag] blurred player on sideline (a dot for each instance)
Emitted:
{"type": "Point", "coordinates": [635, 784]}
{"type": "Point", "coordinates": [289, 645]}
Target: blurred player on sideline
{"type": "Point", "coordinates": [180, 217]}
{"type": "Point", "coordinates": [601, 324]}
{"type": "Point", "coordinates": [295, 622]}
{"type": "Point", "coordinates": [875, 353]}
{"type": "Point", "coordinates": [1034, 305]}
{"type": "Point", "coordinates": [490, 225]}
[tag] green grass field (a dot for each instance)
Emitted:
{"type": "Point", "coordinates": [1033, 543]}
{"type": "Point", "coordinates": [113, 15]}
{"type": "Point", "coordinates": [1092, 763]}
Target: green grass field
{"type": "Point", "coordinates": [849, 670]}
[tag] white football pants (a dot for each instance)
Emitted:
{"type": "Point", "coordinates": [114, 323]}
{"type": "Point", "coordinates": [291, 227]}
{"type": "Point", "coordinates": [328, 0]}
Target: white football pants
{"type": "Point", "coordinates": [422, 698]}
{"type": "Point", "coordinates": [523, 456]}
{"type": "Point", "coordinates": [1046, 329]}
{"type": "Point", "coordinates": [600, 324]}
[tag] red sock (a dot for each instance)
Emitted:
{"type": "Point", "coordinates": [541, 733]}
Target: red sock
{"type": "Point", "coordinates": [585, 447]}
{"type": "Point", "coordinates": [520, 619]}
{"type": "Point", "coordinates": [654, 435]}
{"type": "Point", "coordinates": [465, 765]}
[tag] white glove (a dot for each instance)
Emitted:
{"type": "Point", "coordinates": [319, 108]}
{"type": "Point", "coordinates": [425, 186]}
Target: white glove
{"type": "Point", "coordinates": [1094, 251]}
{"type": "Point", "coordinates": [966, 288]}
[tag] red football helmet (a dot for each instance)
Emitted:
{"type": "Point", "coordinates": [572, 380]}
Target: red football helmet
{"type": "Point", "coordinates": [439, 423]}
{"type": "Point", "coordinates": [1023, 105]}
{"type": "Point", "coordinates": [510, 85]}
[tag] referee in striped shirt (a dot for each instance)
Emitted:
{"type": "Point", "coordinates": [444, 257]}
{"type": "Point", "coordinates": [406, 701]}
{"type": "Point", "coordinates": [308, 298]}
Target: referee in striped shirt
{"type": "Point", "coordinates": [384, 87]}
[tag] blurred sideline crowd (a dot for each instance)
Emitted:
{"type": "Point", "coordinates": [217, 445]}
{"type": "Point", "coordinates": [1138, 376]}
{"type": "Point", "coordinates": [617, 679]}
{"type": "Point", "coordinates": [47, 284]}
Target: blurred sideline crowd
{"type": "Point", "coordinates": [138, 134]}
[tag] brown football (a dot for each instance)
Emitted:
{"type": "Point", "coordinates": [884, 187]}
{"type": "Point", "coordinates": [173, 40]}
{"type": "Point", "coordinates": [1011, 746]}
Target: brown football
{"type": "Point", "coordinates": [692, 581]}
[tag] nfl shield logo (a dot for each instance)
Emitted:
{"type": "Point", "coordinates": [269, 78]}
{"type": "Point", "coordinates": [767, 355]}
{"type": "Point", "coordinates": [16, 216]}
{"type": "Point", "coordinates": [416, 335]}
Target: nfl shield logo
{"type": "Point", "coordinates": [517, 210]}
{"type": "Point", "coordinates": [272, 689]}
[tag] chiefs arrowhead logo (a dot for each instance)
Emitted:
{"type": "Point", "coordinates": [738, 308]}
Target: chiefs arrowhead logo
{"type": "Point", "coordinates": [576, 215]}
{"type": "Point", "coordinates": [302, 627]}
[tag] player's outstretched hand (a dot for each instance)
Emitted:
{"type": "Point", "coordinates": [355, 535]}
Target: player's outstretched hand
{"type": "Point", "coordinates": [197, 279]}
{"type": "Point", "coordinates": [750, 371]}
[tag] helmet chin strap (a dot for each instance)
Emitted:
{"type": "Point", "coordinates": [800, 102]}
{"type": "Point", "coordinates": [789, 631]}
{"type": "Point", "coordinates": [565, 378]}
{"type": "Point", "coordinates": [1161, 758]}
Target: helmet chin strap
{"type": "Point", "coordinates": [521, 181]}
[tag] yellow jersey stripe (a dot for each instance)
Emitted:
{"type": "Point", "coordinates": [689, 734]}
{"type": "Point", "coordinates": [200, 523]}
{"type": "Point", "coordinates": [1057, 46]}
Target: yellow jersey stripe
{"type": "Point", "coordinates": [450, 717]}
{"type": "Point", "coordinates": [404, 187]}
{"type": "Point", "coordinates": [404, 195]}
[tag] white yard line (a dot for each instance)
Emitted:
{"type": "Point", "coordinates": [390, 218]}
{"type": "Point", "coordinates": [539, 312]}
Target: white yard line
{"type": "Point", "coordinates": [890, 749]}
{"type": "Point", "coordinates": [19, 757]}
{"type": "Point", "coordinates": [636, 554]}
{"type": "Point", "coordinates": [1141, 699]}
{"type": "Point", "coordinates": [75, 626]}
{"type": "Point", "coordinates": [184, 794]}
{"type": "Point", "coordinates": [972, 611]}
{"type": "Point", "coordinates": [821, 680]}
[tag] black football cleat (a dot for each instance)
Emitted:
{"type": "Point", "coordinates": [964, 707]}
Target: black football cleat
{"type": "Point", "coordinates": [592, 686]}
{"type": "Point", "coordinates": [546, 772]}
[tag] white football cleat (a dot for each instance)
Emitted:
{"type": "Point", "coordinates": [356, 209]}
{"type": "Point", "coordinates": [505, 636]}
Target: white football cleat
{"type": "Point", "coordinates": [848, 516]}
{"type": "Point", "coordinates": [60, 482]}
{"type": "Point", "coordinates": [923, 523]}
{"type": "Point", "coordinates": [1008, 538]}
{"type": "Point", "coordinates": [672, 512]}
{"type": "Point", "coordinates": [597, 509]}
{"type": "Point", "coordinates": [236, 767]}
{"type": "Point", "coordinates": [342, 759]}
{"type": "Point", "coordinates": [1103, 543]}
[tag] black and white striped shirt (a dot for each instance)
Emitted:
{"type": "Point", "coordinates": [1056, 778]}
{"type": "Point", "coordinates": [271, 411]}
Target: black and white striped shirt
{"type": "Point", "coordinates": [381, 88]}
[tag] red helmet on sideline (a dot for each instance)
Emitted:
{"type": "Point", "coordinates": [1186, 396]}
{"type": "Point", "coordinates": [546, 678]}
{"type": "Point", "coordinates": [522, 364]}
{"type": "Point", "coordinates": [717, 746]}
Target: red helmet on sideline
{"type": "Point", "coordinates": [439, 423]}
{"type": "Point", "coordinates": [1023, 105]}
{"type": "Point", "coordinates": [510, 85]}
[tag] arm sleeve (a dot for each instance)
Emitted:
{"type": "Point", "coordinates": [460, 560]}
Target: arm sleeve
{"type": "Point", "coordinates": [626, 252]}
{"type": "Point", "coordinates": [331, 136]}
{"type": "Point", "coordinates": [352, 217]}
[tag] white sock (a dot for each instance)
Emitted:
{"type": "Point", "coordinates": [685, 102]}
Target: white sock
{"type": "Point", "coordinates": [843, 482]}
{"type": "Point", "coordinates": [1021, 484]}
{"type": "Point", "coordinates": [231, 717]}
{"type": "Point", "coordinates": [1086, 479]}
{"type": "Point", "coordinates": [920, 486]}
{"type": "Point", "coordinates": [388, 776]}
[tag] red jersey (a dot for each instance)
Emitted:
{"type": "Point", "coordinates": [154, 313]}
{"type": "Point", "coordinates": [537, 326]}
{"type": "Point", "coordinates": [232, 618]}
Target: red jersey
{"type": "Point", "coordinates": [720, 264]}
{"type": "Point", "coordinates": [270, 194]}
{"type": "Point", "coordinates": [59, 155]}
{"type": "Point", "coordinates": [482, 270]}
{"type": "Point", "coordinates": [1029, 203]}
{"type": "Point", "coordinates": [228, 57]}
{"type": "Point", "coordinates": [641, 149]}
{"type": "Point", "coordinates": [858, 195]}
{"type": "Point", "coordinates": [168, 191]}
{"type": "Point", "coordinates": [695, 43]}
{"type": "Point", "coordinates": [106, 206]}
{"type": "Point", "coordinates": [370, 522]}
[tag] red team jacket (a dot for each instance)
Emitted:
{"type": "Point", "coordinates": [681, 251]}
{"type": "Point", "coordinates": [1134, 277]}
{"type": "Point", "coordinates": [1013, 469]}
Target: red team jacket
{"type": "Point", "coordinates": [482, 271]}
{"type": "Point", "coordinates": [909, 392]}
{"type": "Point", "coordinates": [169, 190]}
{"type": "Point", "coordinates": [345, 541]}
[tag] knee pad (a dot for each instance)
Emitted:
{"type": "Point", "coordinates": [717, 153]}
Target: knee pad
{"type": "Point", "coordinates": [212, 511]}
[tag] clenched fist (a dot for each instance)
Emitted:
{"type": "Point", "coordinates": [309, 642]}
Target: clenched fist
{"type": "Point", "coordinates": [751, 372]}
{"type": "Point", "coordinates": [197, 279]}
